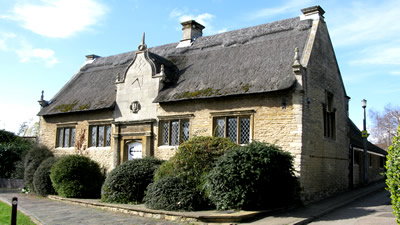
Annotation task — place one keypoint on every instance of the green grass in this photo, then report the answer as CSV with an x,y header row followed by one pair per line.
x,y
5,216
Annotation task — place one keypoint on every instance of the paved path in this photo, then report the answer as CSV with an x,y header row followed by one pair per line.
x,y
372,209
53,212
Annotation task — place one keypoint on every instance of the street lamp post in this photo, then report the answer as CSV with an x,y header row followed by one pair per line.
x,y
365,141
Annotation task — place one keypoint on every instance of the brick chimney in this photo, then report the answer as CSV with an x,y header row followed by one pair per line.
x,y
191,30
313,12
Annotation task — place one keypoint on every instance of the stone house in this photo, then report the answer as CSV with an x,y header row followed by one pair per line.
x,y
277,82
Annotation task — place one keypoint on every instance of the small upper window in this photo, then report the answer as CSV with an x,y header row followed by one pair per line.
x,y
329,117
100,136
236,128
65,137
174,132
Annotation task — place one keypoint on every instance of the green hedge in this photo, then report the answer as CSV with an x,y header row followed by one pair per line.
x,y
393,174
256,176
41,180
128,182
193,161
173,193
195,158
77,176
33,159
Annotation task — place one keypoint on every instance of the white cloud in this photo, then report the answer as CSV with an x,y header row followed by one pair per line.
x,y
380,55
3,40
289,7
28,53
205,19
395,73
362,23
58,18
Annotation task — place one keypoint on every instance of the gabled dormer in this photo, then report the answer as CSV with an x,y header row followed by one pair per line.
x,y
140,83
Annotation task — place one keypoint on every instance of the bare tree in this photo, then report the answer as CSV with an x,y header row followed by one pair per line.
x,y
385,125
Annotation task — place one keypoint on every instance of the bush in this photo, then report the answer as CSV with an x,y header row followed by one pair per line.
x,y
172,193
41,180
393,174
76,176
128,182
12,151
33,159
256,176
195,158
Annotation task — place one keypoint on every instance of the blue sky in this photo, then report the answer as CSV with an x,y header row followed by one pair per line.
x,y
44,42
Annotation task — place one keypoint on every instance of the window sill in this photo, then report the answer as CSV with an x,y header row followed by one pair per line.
x,y
99,148
168,147
65,148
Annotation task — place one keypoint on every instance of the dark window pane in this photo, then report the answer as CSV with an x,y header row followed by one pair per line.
x,y
66,137
244,130
60,137
185,130
232,129
94,136
220,127
72,137
164,133
174,132
108,135
101,136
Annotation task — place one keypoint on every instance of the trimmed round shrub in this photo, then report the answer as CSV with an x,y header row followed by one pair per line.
x,y
33,159
77,176
393,174
195,158
128,182
41,180
174,194
256,176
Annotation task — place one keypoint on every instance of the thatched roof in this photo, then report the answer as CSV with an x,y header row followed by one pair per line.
x,y
356,140
251,60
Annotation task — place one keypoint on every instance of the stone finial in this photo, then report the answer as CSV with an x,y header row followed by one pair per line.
x,y
43,102
142,45
296,64
117,78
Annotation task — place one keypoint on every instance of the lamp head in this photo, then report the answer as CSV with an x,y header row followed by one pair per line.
x,y
364,103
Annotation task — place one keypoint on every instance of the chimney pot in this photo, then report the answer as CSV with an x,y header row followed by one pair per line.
x,y
313,12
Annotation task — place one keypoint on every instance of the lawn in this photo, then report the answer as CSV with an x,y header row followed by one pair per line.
x,y
5,216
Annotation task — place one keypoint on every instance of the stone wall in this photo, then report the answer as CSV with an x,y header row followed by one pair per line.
x,y
81,121
325,160
270,120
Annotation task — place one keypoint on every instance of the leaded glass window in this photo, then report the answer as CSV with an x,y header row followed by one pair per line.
x,y
185,130
236,128
174,132
231,130
220,127
65,137
108,135
164,133
100,136
244,130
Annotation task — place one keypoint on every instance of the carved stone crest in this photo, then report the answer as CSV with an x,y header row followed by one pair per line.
x,y
135,107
